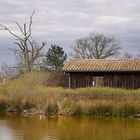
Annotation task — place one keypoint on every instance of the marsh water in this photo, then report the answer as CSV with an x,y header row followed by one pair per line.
x,y
15,127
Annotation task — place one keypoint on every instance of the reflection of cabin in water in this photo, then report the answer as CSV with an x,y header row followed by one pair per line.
x,y
112,73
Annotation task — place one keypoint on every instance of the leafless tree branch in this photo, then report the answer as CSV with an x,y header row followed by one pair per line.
x,y
27,49
96,46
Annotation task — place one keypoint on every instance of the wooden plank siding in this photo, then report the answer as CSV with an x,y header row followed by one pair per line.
x,y
120,80
81,80
122,73
129,81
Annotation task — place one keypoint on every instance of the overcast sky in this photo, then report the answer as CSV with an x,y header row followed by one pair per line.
x,y
64,21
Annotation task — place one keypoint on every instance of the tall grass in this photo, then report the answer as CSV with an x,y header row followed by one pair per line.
x,y
32,91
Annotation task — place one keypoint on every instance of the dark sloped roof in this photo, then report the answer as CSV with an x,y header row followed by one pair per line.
x,y
78,65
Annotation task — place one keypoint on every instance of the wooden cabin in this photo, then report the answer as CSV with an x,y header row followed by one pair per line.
x,y
110,73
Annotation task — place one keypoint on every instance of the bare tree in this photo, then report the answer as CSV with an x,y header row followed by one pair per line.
x,y
28,50
138,55
127,56
131,56
96,46
8,72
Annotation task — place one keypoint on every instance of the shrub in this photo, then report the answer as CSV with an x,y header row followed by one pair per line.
x,y
32,90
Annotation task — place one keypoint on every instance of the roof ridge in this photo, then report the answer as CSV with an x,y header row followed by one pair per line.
x,y
132,59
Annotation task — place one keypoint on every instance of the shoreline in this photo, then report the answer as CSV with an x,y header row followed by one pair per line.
x,y
28,94
34,112
26,113
99,102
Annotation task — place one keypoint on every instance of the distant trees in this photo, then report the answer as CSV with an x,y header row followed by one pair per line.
x,y
27,49
130,56
138,56
29,52
7,72
55,58
127,56
96,46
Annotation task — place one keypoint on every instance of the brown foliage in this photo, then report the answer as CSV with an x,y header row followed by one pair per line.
x,y
57,79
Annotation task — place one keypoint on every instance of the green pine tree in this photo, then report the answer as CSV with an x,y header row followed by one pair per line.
x,y
55,58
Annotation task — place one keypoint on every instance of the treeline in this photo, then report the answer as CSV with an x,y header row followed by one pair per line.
x,y
31,55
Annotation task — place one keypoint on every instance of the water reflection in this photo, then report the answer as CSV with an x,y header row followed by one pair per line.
x,y
14,127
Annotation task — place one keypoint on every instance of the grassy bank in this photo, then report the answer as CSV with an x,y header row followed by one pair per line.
x,y
31,94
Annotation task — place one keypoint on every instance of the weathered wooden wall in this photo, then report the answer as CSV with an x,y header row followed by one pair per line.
x,y
81,80
121,80
129,81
